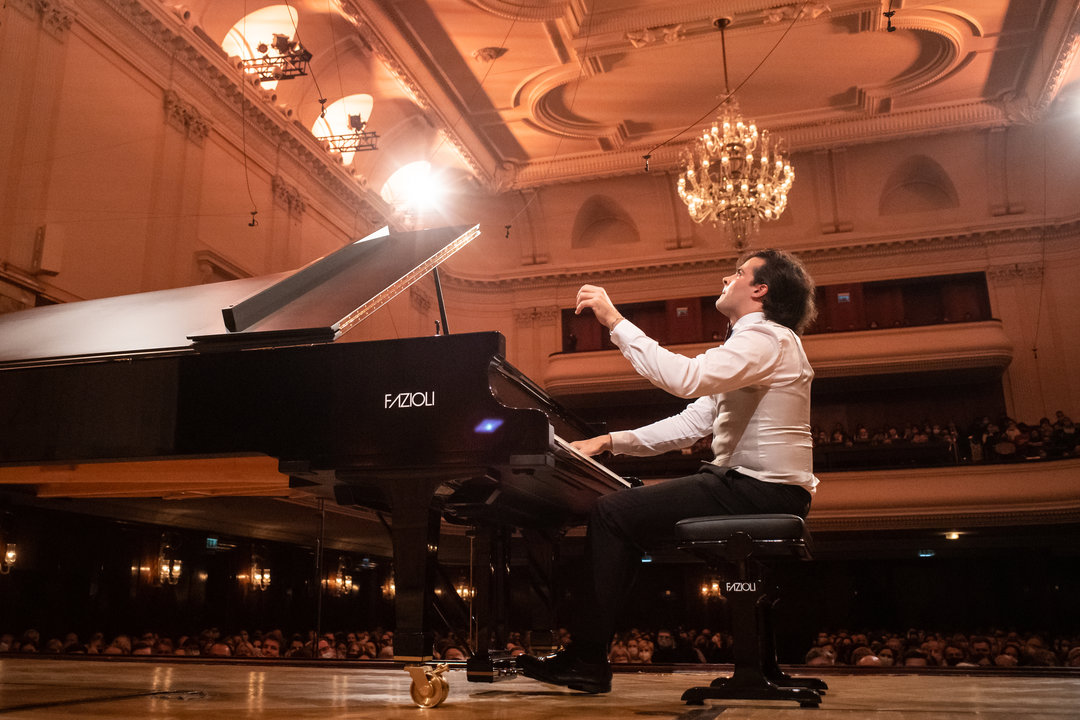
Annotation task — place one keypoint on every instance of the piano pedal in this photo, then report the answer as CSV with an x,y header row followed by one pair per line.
x,y
491,667
429,688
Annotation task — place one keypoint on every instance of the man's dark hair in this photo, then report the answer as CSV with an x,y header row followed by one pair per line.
x,y
790,299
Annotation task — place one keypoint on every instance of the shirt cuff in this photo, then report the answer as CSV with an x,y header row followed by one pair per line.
x,y
621,440
624,331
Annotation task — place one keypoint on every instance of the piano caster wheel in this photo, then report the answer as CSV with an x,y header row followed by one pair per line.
x,y
429,688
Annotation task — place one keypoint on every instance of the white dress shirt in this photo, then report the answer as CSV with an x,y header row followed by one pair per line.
x,y
753,395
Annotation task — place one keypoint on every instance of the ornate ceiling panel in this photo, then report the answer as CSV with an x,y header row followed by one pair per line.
x,y
525,93
552,89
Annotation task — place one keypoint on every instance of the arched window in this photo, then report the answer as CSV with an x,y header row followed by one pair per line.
x,y
413,188
253,36
919,184
602,221
338,120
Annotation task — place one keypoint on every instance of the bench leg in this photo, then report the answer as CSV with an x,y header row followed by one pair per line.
x,y
757,674
770,665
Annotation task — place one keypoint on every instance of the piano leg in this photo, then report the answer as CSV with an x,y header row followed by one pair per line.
x,y
542,553
492,662
416,546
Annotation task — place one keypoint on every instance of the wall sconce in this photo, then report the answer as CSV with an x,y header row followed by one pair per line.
x,y
464,590
388,588
711,589
341,583
11,554
169,565
7,542
260,575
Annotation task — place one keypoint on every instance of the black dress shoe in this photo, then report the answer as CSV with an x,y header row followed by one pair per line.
x,y
566,668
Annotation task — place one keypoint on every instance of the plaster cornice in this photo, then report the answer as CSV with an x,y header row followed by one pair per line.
x,y
1062,63
536,12
824,132
194,60
367,28
607,32
882,247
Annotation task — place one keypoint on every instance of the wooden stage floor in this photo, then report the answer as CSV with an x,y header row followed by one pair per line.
x,y
61,688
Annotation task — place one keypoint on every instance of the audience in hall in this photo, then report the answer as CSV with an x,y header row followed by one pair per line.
x,y
984,441
915,648
918,648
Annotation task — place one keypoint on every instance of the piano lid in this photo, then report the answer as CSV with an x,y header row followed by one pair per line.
x,y
317,303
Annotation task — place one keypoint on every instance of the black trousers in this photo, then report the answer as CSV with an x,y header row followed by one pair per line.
x,y
627,523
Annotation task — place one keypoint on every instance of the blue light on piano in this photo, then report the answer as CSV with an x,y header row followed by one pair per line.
x,y
646,558
488,425
927,553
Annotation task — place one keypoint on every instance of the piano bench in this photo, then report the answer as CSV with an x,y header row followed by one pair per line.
x,y
734,545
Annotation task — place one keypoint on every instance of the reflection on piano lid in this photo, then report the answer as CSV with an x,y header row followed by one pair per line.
x,y
315,304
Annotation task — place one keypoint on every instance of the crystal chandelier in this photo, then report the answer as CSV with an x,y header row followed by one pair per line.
x,y
736,174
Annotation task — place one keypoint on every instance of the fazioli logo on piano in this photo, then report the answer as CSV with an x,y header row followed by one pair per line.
x,y
741,587
409,400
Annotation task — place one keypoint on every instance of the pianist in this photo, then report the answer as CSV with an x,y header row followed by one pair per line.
x,y
752,393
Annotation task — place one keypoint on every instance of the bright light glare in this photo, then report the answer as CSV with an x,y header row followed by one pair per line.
x,y
414,187
260,27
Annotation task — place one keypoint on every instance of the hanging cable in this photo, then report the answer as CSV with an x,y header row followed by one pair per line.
x,y
479,88
728,95
296,35
333,44
570,106
243,131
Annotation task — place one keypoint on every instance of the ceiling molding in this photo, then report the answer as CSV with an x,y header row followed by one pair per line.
x,y
1063,62
1016,234
186,54
534,96
820,133
949,40
533,11
369,28
696,16
500,126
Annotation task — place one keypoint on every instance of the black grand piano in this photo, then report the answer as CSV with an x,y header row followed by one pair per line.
x,y
425,427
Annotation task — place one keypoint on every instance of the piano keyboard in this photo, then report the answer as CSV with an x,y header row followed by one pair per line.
x,y
576,456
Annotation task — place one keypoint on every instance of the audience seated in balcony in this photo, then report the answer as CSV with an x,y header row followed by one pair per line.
x,y
985,441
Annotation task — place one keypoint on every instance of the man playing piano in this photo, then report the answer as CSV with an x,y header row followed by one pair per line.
x,y
752,393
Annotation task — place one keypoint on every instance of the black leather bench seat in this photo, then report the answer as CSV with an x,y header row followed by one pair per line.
x,y
734,545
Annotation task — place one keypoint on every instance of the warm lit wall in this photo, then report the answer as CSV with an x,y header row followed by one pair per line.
x,y
1006,210
966,496
132,156
126,166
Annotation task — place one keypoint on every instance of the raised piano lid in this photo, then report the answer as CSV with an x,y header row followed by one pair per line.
x,y
317,303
